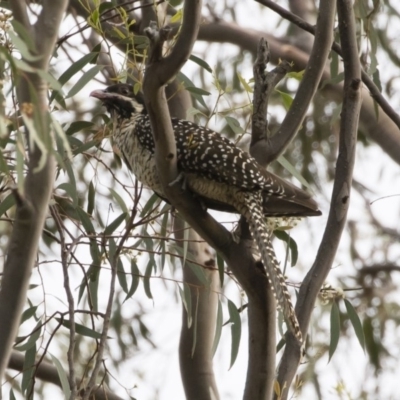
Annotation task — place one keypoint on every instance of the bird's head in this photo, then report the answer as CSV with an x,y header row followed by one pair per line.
x,y
120,100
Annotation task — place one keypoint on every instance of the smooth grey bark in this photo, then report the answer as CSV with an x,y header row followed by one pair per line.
x,y
314,70
195,346
341,191
32,204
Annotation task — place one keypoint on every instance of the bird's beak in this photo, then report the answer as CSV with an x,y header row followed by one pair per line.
x,y
99,94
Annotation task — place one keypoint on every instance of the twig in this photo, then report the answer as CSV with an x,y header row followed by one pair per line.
x,y
374,91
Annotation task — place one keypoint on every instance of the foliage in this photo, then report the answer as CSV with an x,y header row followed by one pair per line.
x,y
111,242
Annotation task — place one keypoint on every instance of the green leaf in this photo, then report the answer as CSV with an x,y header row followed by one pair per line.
x,y
163,233
63,377
135,279
94,288
22,47
377,79
32,338
24,34
115,224
218,328
286,99
355,321
47,77
335,329
196,313
200,62
80,329
149,205
76,67
85,146
236,330
122,276
12,395
221,269
85,219
7,203
196,90
298,75
188,83
70,190
28,313
146,279
289,167
78,126
234,125
186,298
282,235
28,371
119,200
245,85
177,16
84,80
91,195
199,272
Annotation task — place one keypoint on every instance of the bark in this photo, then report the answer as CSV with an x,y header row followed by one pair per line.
x,y
195,347
32,204
341,192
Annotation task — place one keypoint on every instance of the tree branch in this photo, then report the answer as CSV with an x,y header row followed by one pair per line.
x,y
32,209
308,85
374,90
341,191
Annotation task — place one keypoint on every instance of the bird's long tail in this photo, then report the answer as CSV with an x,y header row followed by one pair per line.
x,y
260,233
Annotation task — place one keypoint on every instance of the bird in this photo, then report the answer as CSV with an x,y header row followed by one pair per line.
x,y
216,171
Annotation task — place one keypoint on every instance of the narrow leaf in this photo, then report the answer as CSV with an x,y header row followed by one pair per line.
x,y
83,80
245,85
234,125
201,62
91,195
119,200
186,298
32,338
122,276
146,279
28,370
294,252
115,224
6,204
76,67
149,205
80,329
196,90
335,329
236,330
218,328
355,321
221,269
135,279
286,98
289,167
63,377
